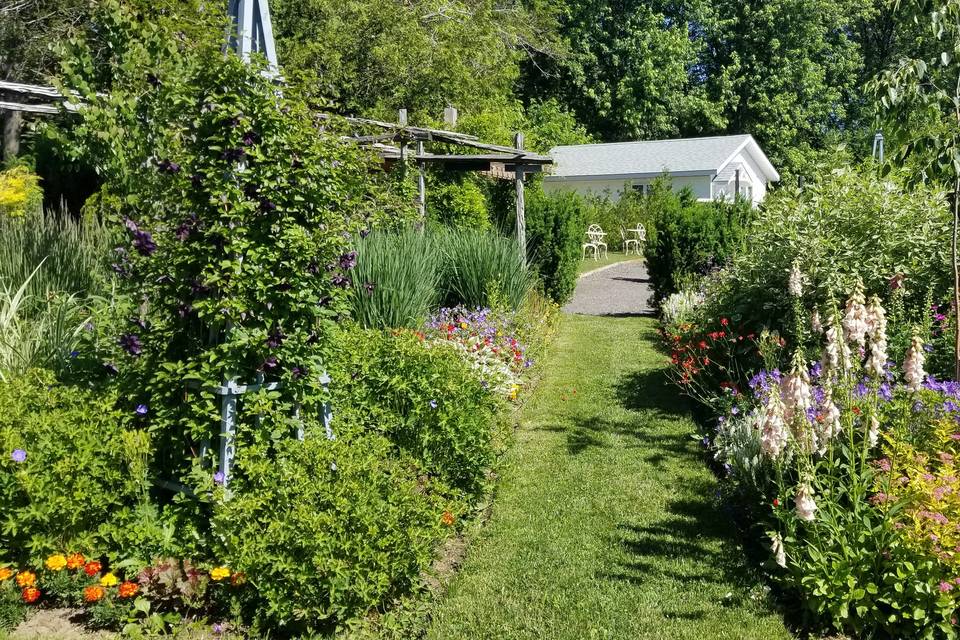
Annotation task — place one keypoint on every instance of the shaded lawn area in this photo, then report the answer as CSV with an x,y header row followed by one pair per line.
x,y
589,264
605,523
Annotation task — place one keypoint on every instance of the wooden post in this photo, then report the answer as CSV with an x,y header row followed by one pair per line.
x,y
12,122
736,186
521,213
421,185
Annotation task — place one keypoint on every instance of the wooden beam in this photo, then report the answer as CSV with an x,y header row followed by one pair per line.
x,y
521,210
45,109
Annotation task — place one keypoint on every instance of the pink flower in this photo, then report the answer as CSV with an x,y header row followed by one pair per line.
x,y
945,587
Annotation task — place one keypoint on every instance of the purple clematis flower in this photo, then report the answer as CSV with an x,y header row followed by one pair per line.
x,y
142,409
131,344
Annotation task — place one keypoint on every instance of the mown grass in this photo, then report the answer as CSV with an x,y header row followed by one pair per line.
x,y
589,264
605,522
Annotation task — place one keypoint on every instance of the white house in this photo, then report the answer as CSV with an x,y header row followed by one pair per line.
x,y
712,167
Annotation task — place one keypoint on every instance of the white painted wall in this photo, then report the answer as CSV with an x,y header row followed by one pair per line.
x,y
700,185
751,182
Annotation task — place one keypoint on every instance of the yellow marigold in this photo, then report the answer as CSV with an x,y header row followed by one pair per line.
x,y
108,580
5,573
26,579
220,573
56,562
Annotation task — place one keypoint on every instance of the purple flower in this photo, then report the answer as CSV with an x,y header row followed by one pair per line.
x,y
131,344
433,404
860,390
348,260
74,353
250,138
142,409
275,338
816,370
270,363
143,243
110,368
169,166
341,281
928,348
734,410
885,391
218,477
18,455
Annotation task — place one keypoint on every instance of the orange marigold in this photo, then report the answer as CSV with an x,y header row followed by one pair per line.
x,y
30,594
92,568
127,589
447,519
75,561
5,573
26,579
93,593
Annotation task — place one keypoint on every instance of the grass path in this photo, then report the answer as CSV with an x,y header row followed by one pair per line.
x,y
604,524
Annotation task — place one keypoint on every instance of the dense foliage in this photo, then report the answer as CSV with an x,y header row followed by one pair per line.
x,y
555,228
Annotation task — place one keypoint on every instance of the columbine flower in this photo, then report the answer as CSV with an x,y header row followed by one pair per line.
x,y
855,325
779,554
56,562
795,281
18,455
805,506
131,344
913,373
877,322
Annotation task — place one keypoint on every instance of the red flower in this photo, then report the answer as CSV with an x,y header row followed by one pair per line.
x,y
703,344
93,593
857,410
724,322
30,594
776,502
447,519
75,560
92,568
127,589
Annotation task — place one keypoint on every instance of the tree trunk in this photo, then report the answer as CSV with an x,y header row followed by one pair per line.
x,y
12,122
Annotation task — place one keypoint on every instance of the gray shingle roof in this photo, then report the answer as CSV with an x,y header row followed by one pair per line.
x,y
690,155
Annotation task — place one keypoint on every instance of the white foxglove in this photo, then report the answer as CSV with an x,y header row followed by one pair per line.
x,y
795,281
806,508
779,553
795,391
773,430
877,322
913,373
815,324
873,436
855,323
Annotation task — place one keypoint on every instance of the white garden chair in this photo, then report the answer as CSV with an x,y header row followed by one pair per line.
x,y
595,237
629,243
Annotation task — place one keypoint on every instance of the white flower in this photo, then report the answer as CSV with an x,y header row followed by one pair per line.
x,y
773,430
913,373
855,325
830,416
877,322
815,324
805,506
836,355
779,553
873,436
795,281
796,391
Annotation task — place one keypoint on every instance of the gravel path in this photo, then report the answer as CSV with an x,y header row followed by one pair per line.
x,y
623,289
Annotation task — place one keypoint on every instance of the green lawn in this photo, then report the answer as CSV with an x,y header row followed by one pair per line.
x,y
590,264
604,523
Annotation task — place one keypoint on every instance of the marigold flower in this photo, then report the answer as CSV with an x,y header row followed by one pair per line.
x,y
447,519
108,580
56,562
30,595
93,593
92,568
5,573
75,561
26,579
220,573
238,578
128,589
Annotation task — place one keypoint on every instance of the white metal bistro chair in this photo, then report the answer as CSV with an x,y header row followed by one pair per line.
x,y
595,237
629,243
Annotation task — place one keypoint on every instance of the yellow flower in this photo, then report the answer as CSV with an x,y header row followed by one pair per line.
x,y
220,573
5,573
108,580
56,562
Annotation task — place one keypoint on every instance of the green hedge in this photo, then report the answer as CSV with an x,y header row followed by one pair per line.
x,y
556,224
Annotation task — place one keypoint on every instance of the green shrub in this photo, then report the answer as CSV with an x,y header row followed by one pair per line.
x,y
555,232
20,192
65,467
477,264
424,399
845,225
691,239
325,530
397,279
458,202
